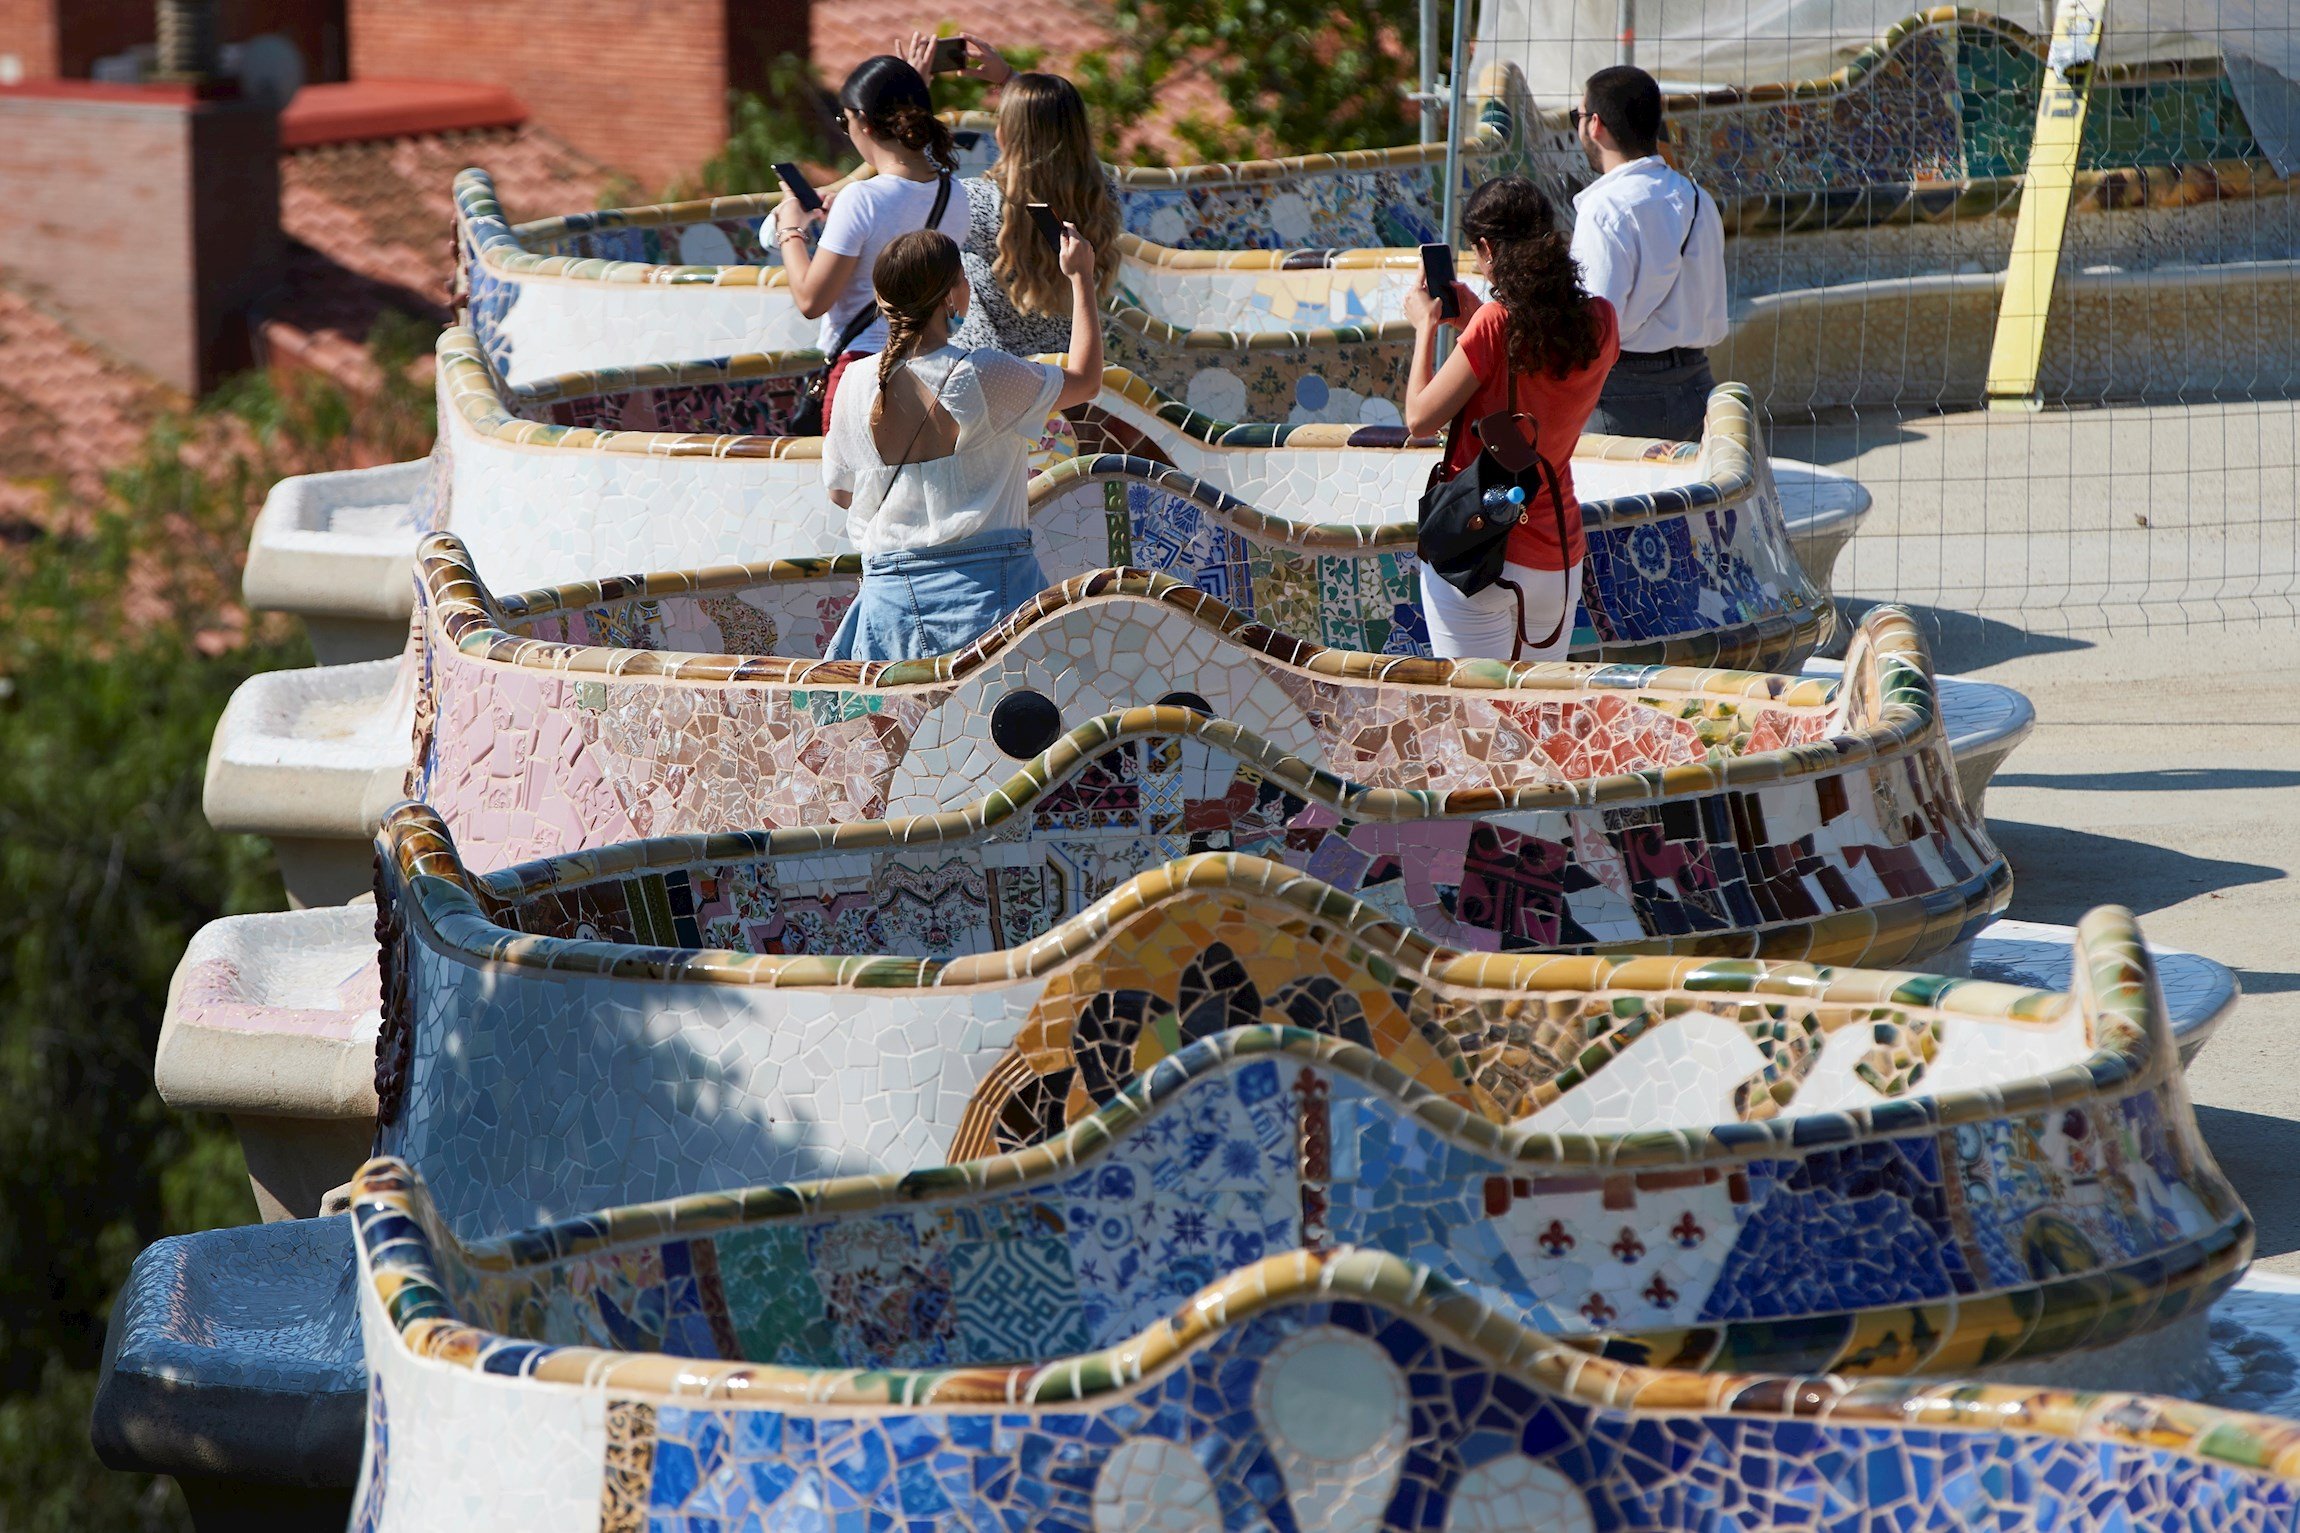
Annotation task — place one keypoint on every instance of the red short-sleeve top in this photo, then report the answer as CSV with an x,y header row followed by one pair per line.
x,y
1561,407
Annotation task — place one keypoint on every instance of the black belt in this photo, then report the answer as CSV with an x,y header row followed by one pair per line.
x,y
1675,356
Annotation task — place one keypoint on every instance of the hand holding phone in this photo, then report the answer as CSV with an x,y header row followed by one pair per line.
x,y
949,56
1438,279
1049,227
794,178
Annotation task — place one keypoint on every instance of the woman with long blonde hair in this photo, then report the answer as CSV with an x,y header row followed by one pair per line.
x,y
929,452
1045,154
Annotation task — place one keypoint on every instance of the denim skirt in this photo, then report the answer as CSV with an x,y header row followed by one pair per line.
x,y
930,601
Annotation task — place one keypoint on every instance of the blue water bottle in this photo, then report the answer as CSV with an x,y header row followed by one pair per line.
x,y
1503,507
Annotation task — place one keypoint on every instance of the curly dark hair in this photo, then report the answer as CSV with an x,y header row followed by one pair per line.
x,y
1534,275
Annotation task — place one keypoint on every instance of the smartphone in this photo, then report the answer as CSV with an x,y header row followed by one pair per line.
x,y
1048,224
1438,278
949,56
796,180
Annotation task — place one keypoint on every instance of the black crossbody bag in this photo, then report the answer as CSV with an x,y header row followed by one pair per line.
x,y
1458,537
807,417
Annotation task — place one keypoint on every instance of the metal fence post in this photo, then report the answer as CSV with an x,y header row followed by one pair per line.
x,y
1427,95
1457,87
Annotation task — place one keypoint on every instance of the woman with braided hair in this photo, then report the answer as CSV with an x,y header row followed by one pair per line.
x,y
930,454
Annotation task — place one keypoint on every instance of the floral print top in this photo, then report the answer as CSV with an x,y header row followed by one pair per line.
x,y
993,319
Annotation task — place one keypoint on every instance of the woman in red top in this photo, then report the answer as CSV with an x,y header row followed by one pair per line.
x,y
1563,342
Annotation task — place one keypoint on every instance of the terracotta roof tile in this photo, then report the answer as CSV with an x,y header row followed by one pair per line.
x,y
383,209
845,32
69,411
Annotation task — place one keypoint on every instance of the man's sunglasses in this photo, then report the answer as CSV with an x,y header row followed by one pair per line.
x,y
1575,115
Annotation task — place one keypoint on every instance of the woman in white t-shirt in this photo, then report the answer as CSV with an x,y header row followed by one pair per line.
x,y
885,110
931,457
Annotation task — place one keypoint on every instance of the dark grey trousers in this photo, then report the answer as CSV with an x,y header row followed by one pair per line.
x,y
1655,397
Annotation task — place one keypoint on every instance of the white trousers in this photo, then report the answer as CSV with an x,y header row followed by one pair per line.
x,y
1503,621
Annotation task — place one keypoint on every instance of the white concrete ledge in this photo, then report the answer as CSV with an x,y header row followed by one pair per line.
x,y
336,550
311,759
1822,509
272,1019
1985,722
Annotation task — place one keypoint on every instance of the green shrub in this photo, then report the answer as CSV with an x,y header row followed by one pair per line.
x,y
1297,76
789,120
121,642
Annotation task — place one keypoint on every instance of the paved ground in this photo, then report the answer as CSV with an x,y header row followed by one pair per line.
x,y
2164,773
2077,521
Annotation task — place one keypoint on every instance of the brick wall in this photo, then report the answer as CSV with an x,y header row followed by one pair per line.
x,y
637,84
87,30
149,219
28,35
318,28
54,39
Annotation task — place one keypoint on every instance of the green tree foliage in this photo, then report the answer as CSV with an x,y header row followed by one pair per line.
x,y
789,120
120,642
1297,76
965,93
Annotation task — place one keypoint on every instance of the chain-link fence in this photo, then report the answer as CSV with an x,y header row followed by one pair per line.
x,y
1888,202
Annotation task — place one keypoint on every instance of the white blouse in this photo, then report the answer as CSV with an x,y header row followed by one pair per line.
x,y
1000,404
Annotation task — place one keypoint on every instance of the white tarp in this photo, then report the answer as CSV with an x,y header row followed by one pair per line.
x,y
1710,43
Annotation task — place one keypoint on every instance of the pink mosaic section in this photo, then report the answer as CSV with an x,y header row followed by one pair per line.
x,y
511,765
213,994
527,763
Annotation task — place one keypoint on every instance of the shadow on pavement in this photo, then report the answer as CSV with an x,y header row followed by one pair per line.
x,y
2059,874
2267,981
2258,1153
1961,642
1837,436
2163,780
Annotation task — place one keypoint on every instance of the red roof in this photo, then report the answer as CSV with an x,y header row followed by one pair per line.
x,y
360,110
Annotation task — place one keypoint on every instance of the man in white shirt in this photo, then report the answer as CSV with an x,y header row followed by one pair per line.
x,y
1653,244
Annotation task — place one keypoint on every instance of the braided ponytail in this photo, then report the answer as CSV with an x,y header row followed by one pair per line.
x,y
913,278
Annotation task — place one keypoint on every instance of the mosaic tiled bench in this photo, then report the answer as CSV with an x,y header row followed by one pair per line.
x,y
1341,1390
291,757
1651,1106
624,286
540,317
1691,561
563,480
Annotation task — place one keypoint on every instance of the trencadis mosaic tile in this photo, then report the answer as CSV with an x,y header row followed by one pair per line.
x,y
530,745
1000,1311
1691,550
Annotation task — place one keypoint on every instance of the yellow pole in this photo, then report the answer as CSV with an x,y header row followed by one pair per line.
x,y
2019,347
